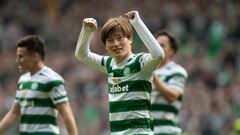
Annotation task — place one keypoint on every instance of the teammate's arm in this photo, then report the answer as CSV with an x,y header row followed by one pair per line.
x,y
68,118
82,51
168,93
11,118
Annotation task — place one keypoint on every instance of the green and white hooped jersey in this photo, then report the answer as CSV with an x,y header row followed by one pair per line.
x,y
166,115
129,90
37,96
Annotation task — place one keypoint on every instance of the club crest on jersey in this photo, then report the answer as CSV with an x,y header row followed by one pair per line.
x,y
126,71
34,86
21,86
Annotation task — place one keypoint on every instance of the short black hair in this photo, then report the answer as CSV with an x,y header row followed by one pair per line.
x,y
173,41
33,43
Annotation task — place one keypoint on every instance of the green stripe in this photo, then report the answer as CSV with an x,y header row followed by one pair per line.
x,y
37,133
133,86
36,86
164,122
166,134
129,105
132,68
164,108
108,64
46,102
58,98
122,125
174,75
180,98
38,119
102,61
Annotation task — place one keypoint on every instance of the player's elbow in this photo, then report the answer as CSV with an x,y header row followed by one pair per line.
x,y
80,55
77,54
171,99
160,56
174,96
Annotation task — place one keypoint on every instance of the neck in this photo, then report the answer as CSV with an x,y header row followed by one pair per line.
x,y
121,59
36,67
164,62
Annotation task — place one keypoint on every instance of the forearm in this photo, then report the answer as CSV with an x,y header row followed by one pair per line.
x,y
168,93
148,39
70,125
11,118
68,118
83,53
82,48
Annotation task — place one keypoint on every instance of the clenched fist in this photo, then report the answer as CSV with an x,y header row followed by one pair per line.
x,y
90,22
131,14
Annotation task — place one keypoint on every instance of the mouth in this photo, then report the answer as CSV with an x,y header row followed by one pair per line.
x,y
20,68
117,50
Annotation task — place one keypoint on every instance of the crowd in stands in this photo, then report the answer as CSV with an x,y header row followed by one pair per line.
x,y
208,30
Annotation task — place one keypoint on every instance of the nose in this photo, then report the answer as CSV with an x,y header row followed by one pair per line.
x,y
17,60
115,42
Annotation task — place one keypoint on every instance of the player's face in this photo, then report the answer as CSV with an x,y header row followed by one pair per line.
x,y
118,45
24,59
166,46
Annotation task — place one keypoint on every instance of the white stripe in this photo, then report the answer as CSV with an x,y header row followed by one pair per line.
x,y
161,100
163,115
129,115
38,128
133,77
39,111
128,96
134,131
178,88
167,129
31,94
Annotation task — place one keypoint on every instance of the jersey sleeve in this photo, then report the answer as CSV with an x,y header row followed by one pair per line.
x,y
156,55
147,63
84,54
177,81
58,92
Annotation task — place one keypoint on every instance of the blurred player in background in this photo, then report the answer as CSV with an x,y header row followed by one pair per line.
x,y
169,82
40,94
129,75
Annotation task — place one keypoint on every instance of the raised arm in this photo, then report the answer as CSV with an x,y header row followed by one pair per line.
x,y
157,53
82,51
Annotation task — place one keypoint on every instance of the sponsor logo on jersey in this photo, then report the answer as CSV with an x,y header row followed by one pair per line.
x,y
118,89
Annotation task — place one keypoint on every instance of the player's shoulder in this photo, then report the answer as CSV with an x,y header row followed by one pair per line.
x,y
24,77
177,69
50,75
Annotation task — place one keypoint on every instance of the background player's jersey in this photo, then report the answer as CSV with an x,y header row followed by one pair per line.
x,y
166,115
38,95
129,89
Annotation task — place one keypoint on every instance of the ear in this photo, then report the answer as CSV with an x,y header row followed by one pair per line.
x,y
171,53
131,40
36,56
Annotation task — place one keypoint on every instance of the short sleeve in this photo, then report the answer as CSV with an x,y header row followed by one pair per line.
x,y
177,81
58,94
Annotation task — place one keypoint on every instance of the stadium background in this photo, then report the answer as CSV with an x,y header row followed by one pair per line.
x,y
209,31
